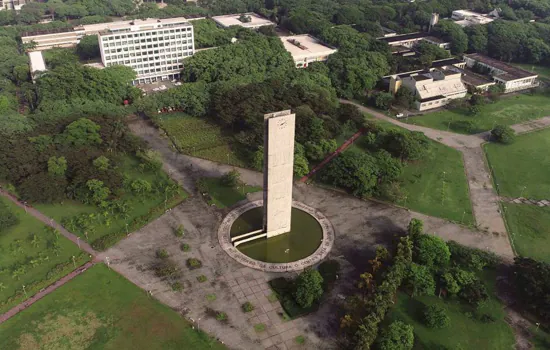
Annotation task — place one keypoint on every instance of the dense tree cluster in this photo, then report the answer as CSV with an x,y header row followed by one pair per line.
x,y
532,281
7,217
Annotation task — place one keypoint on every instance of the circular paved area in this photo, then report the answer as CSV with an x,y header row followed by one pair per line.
x,y
224,236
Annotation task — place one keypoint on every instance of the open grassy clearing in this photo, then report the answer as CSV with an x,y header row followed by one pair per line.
x,y
199,138
529,229
521,169
507,111
436,185
224,196
117,315
29,255
464,331
140,209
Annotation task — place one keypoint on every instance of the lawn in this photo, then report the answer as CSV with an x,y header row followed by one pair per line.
x,y
199,138
529,229
436,185
521,169
508,110
542,71
101,310
33,262
465,331
105,230
224,196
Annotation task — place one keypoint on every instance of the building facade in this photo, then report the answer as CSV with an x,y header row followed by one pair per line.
x,y
155,49
512,78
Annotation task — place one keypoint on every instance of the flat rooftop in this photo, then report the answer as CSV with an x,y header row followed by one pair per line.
x,y
37,61
472,78
233,20
301,46
512,73
135,24
403,37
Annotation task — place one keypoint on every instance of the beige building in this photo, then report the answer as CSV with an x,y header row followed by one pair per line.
x,y
249,20
435,88
512,78
306,49
466,18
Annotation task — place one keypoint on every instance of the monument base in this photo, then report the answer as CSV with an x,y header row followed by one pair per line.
x,y
277,232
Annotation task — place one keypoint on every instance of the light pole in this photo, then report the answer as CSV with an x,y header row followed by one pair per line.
x,y
198,319
462,220
24,291
522,190
74,262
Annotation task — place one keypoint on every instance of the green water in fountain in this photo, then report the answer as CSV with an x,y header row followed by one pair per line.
x,y
302,241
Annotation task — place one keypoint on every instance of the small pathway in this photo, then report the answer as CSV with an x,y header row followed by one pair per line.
x,y
17,309
521,200
51,222
339,150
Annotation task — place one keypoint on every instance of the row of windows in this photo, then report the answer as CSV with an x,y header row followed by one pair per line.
x,y
146,40
146,58
145,69
147,34
173,48
162,69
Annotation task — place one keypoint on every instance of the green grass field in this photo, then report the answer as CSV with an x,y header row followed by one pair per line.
x,y
521,169
542,71
101,310
141,211
529,229
223,196
33,260
508,110
431,191
199,138
464,332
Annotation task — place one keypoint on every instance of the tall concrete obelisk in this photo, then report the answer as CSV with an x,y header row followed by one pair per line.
x,y
278,171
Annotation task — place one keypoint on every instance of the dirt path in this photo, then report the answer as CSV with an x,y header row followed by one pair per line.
x,y
17,309
51,222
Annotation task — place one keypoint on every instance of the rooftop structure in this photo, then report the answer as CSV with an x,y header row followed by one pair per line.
x,y
394,81
467,18
36,63
306,49
248,20
513,78
435,87
412,39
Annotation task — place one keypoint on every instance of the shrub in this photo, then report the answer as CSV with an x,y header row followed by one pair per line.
x,y
230,179
179,231
248,307
260,327
398,336
532,281
202,185
431,251
471,258
7,217
202,278
211,297
185,247
300,339
309,288
486,318
221,316
503,134
435,316
474,293
166,268
193,263
420,280
329,270
177,287
162,254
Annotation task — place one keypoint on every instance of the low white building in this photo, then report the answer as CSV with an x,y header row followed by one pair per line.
x,y
513,78
306,49
36,63
466,18
435,88
412,39
249,20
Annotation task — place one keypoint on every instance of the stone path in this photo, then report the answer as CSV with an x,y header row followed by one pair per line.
x,y
521,200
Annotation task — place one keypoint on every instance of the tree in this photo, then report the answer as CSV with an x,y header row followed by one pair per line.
x,y
454,33
503,134
449,283
420,280
7,217
101,162
477,100
301,166
88,47
354,171
383,100
398,336
474,293
415,228
532,283
82,132
431,251
258,159
435,316
309,288
474,109
404,97
42,188
97,191
318,150
141,186
57,166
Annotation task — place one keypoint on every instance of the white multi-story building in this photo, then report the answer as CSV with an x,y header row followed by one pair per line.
x,y
154,48
11,4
